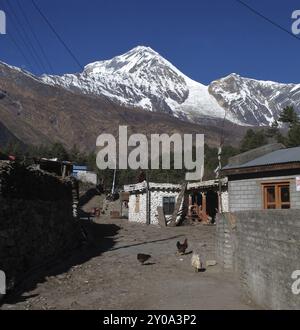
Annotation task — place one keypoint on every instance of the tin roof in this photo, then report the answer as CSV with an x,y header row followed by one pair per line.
x,y
282,156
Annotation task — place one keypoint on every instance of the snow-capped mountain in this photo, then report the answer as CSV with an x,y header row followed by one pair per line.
x,y
142,78
252,101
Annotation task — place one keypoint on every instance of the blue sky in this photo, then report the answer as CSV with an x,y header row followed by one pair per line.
x,y
206,39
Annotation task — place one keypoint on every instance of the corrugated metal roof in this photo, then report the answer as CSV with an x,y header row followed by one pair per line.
x,y
282,156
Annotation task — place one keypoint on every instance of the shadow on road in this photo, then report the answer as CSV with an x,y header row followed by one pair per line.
x,y
148,242
100,239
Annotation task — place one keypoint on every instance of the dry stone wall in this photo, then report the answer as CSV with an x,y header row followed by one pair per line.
x,y
36,219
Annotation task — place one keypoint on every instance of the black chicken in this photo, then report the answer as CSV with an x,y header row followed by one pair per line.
x,y
182,247
142,258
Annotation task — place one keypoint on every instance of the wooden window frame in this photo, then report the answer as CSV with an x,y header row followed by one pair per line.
x,y
278,202
169,198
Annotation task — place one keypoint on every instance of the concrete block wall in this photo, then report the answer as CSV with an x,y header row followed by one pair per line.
x,y
225,241
265,251
247,194
244,195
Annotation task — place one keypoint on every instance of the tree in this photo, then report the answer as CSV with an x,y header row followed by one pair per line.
x,y
74,154
293,138
59,151
13,148
289,116
273,131
253,140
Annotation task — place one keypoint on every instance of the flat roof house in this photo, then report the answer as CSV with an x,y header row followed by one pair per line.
x,y
146,201
264,178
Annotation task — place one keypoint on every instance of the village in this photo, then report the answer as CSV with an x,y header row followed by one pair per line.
x,y
198,245
149,161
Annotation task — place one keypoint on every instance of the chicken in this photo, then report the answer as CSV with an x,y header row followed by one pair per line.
x,y
182,247
197,263
142,258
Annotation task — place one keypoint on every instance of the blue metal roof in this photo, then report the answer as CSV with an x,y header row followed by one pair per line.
x,y
282,156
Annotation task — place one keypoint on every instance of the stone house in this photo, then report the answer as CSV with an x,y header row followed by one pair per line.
x,y
264,178
157,195
198,200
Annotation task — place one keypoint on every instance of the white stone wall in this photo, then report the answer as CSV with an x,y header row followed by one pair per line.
x,y
156,198
140,216
245,195
225,201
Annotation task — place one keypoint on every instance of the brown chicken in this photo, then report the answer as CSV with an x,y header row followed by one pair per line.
x,y
182,247
142,258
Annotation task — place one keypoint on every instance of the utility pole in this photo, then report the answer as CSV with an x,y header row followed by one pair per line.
x,y
114,182
148,201
219,177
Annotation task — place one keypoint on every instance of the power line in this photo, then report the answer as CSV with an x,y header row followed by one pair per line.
x,y
25,39
28,45
57,34
75,58
35,37
266,18
18,47
20,50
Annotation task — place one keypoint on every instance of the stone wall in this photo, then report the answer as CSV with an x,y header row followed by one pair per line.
x,y
247,194
36,219
156,198
225,201
263,247
137,214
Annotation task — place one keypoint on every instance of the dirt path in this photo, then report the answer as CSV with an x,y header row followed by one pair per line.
x,y
108,276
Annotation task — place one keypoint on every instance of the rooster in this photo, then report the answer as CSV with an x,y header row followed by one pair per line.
x,y
142,258
182,247
197,263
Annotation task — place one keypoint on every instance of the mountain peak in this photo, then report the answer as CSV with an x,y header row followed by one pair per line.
x,y
142,78
142,49
134,59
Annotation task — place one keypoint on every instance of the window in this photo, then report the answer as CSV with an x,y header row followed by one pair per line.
x,y
168,205
277,195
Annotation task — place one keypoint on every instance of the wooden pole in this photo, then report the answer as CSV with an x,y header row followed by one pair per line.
x,y
220,182
148,201
114,182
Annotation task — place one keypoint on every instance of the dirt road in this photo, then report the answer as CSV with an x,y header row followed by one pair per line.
x,y
108,276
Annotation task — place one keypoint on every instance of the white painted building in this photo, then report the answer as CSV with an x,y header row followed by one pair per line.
x,y
160,194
